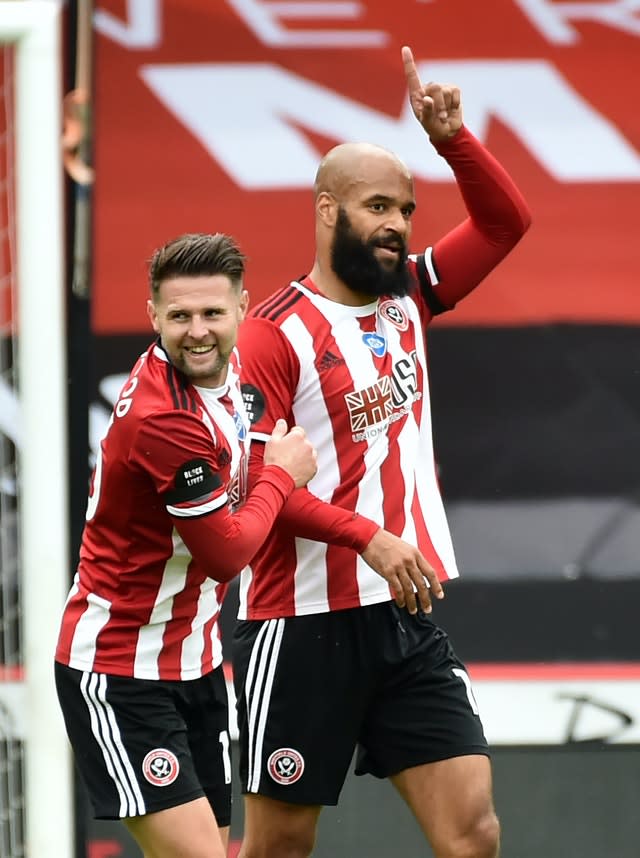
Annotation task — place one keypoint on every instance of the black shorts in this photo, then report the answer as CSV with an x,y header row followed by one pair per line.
x,y
145,745
312,689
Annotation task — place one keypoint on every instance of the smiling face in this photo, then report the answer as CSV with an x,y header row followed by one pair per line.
x,y
197,320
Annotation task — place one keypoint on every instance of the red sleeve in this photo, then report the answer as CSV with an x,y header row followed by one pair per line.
x,y
308,517
498,218
165,445
177,452
267,386
222,543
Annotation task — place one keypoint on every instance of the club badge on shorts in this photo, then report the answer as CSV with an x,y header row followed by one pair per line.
x,y
285,766
160,767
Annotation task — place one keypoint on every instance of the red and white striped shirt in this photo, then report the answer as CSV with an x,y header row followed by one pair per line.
x,y
362,372
172,467
356,379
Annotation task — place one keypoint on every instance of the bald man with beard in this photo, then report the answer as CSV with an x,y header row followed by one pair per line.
x,y
335,651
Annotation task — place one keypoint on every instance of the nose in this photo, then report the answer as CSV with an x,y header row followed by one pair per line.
x,y
396,222
198,327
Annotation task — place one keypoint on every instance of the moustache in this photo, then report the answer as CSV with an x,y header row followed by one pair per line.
x,y
390,244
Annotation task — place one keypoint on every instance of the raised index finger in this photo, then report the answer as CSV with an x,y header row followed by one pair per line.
x,y
410,70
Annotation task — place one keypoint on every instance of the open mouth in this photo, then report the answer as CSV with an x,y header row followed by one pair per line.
x,y
388,254
199,352
196,351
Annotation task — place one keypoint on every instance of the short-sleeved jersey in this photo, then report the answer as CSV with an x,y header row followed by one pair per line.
x,y
356,379
140,605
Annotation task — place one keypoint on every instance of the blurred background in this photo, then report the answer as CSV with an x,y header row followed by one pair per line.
x,y
196,115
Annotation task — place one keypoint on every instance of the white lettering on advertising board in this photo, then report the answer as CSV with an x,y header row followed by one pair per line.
x,y
573,142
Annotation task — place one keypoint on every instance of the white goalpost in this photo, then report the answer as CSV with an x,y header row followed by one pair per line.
x,y
38,367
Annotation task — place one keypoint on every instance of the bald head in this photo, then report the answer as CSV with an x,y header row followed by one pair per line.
x,y
352,165
364,201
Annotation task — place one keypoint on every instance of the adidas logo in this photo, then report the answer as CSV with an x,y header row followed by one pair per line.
x,y
329,360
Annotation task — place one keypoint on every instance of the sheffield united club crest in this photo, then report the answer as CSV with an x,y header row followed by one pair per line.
x,y
285,766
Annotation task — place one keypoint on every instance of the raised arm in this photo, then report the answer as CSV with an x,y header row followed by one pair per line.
x,y
498,215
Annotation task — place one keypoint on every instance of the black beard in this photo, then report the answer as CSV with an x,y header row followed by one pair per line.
x,y
355,263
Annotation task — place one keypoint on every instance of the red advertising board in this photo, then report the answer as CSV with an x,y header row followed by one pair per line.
x,y
211,115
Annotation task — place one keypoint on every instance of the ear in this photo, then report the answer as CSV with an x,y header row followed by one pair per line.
x,y
243,305
327,208
152,313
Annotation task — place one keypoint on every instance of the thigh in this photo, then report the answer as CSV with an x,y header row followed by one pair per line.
x,y
130,743
300,705
451,800
424,710
186,831
274,827
204,705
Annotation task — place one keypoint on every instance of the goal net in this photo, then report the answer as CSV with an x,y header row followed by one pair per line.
x,y
35,771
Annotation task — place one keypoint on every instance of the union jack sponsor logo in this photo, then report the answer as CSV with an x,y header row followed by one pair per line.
x,y
370,406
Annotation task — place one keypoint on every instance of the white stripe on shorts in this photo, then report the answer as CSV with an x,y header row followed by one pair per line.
x,y
107,734
262,664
